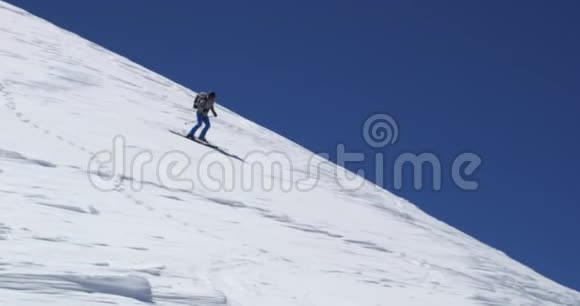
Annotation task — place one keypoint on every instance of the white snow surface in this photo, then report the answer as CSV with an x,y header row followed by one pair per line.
x,y
63,241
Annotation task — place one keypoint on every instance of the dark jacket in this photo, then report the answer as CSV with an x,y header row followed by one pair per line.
x,y
205,106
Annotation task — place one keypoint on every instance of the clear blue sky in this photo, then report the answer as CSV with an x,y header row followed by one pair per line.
x,y
499,78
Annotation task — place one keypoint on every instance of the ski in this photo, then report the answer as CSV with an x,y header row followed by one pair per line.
x,y
205,143
209,145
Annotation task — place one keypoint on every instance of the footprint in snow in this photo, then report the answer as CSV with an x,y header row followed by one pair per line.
x,y
138,248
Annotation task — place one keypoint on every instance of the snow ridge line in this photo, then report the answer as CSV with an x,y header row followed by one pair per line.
x,y
11,106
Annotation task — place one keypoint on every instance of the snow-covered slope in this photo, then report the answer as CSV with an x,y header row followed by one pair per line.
x,y
71,235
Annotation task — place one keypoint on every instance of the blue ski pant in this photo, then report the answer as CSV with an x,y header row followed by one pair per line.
x,y
201,119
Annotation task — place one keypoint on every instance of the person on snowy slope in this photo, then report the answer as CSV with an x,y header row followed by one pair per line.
x,y
204,103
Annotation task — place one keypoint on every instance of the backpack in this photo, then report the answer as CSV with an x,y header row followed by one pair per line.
x,y
199,99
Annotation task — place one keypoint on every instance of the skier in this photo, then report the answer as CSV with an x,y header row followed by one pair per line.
x,y
203,103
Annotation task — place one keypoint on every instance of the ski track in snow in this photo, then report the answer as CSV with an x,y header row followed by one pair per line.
x,y
63,241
